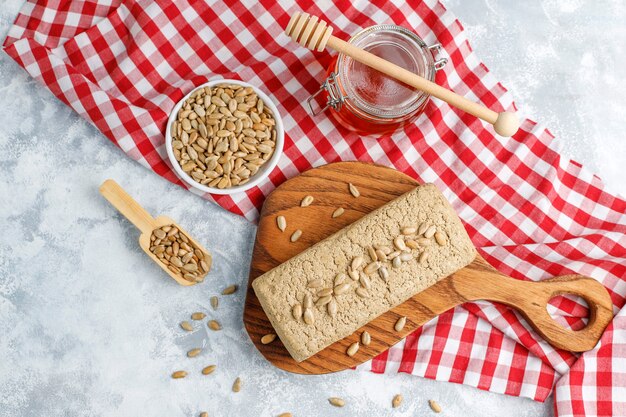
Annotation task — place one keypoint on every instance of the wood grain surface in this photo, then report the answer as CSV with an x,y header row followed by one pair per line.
x,y
379,185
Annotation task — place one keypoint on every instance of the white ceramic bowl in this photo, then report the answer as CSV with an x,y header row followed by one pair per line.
x,y
263,171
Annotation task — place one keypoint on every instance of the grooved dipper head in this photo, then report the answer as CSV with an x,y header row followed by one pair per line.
x,y
309,31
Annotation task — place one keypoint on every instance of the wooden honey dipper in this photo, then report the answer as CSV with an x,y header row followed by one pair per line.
x,y
316,34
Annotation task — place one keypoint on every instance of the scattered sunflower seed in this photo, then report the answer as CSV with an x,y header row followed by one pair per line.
x,y
204,414
231,289
336,401
268,338
208,369
434,406
306,201
353,190
296,235
214,325
194,352
353,349
397,400
338,212
285,415
400,324
186,326
198,316
281,222
366,339
215,302
179,374
237,385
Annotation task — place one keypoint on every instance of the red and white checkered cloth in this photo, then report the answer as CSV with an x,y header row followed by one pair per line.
x,y
533,214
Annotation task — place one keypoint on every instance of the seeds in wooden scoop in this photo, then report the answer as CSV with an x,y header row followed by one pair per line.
x,y
214,302
186,326
397,400
336,401
237,385
214,325
281,222
400,324
366,339
434,406
268,338
353,190
179,253
179,374
223,135
353,349
231,289
208,369
296,235
338,212
198,316
194,352
306,201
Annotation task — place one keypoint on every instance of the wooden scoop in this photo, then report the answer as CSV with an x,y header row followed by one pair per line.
x,y
138,216
315,34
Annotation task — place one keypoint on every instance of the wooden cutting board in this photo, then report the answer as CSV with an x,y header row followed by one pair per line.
x,y
379,185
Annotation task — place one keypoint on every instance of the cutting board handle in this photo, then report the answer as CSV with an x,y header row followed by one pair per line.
x,y
531,300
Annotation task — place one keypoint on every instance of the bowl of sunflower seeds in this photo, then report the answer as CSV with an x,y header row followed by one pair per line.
x,y
224,137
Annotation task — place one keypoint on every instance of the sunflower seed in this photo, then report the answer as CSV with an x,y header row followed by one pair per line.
x,y
324,292
342,288
441,239
231,289
336,401
214,325
372,267
268,338
422,241
423,257
353,190
186,326
398,242
430,232
208,369
198,316
361,292
372,253
322,301
381,255
306,201
422,229
296,311
340,279
338,212
384,273
331,307
237,385
408,230
396,262
405,257
285,415
354,275
353,349
204,414
308,316
179,374
308,301
194,352
281,222
397,400
366,339
356,262
365,281
316,283
296,235
434,406
400,324
411,244
214,302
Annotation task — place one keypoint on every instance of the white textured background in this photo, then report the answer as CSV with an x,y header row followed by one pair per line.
x,y
88,326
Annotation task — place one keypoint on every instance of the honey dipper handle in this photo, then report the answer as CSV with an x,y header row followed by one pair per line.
x,y
126,205
505,124
531,300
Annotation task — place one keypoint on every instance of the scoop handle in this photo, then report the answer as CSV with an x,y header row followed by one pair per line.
x,y
126,205
481,281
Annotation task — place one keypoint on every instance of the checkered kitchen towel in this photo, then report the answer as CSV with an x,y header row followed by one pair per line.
x,y
124,64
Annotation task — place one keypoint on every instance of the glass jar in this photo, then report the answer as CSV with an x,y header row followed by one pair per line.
x,y
367,101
